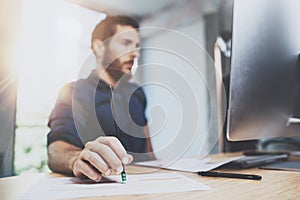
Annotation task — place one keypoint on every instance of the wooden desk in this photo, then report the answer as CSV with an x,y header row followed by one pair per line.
x,y
274,185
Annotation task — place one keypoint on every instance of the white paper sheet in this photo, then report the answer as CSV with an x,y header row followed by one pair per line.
x,y
193,164
62,188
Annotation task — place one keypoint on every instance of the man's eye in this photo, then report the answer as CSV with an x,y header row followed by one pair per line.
x,y
126,43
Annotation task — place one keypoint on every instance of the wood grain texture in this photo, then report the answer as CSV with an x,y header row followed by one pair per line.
x,y
274,185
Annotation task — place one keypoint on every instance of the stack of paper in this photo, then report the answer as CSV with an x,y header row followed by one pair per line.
x,y
63,188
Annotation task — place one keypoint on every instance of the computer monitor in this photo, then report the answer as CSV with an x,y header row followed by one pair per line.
x,y
265,74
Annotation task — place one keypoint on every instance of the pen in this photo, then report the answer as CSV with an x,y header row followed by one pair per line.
x,y
231,175
123,173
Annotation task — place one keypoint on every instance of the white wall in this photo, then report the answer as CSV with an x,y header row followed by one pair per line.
x,y
54,45
174,74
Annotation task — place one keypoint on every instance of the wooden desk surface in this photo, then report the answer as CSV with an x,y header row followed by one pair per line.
x,y
274,185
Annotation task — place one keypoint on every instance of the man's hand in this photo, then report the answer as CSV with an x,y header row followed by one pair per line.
x,y
100,157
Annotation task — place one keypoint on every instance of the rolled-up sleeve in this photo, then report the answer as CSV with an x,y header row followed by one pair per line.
x,y
61,120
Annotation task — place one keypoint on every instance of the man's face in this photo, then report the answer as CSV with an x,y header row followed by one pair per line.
x,y
121,51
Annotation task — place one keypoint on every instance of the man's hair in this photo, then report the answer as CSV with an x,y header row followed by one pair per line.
x,y
107,27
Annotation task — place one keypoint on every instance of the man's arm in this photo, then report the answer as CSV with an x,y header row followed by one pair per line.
x,y
61,156
99,157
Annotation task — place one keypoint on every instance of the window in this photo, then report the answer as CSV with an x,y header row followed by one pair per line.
x,y
55,40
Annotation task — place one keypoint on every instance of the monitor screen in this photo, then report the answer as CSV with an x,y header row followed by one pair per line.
x,y
265,74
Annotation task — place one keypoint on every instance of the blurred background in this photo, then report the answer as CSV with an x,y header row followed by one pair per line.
x,y
43,45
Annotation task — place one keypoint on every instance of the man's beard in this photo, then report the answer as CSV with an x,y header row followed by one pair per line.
x,y
113,66
114,70
115,74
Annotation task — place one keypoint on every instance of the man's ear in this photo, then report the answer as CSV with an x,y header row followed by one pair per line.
x,y
98,49
96,43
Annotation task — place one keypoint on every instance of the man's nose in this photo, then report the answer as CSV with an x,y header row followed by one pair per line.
x,y
135,53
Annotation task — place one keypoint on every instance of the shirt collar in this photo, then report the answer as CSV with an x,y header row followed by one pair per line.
x,y
94,79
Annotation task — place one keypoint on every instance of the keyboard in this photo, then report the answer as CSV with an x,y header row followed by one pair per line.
x,y
255,161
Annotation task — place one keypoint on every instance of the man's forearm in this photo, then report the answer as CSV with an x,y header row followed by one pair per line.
x,y
61,156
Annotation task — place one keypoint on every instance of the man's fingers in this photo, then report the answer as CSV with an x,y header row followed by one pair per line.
x,y
82,168
96,161
117,147
107,154
128,159
101,155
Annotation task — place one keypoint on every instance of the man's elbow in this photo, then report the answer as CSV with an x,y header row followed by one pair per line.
x,y
52,153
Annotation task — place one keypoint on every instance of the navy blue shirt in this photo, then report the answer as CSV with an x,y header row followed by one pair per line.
x,y
83,112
